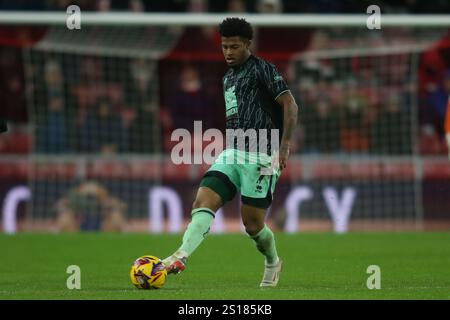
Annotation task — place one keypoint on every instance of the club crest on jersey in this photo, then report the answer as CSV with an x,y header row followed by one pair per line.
x,y
231,101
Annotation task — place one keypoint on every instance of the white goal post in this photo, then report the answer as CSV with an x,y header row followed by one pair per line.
x,y
206,19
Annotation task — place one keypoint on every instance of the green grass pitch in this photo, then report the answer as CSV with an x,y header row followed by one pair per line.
x,y
317,266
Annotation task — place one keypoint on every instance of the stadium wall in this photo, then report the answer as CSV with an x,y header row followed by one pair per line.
x,y
303,200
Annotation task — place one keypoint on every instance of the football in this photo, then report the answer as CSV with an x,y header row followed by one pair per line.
x,y
148,272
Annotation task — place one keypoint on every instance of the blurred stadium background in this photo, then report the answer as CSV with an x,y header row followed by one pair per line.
x,y
91,111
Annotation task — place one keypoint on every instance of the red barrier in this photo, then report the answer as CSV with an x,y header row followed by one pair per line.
x,y
159,169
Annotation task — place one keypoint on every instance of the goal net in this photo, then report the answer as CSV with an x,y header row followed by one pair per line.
x,y
104,101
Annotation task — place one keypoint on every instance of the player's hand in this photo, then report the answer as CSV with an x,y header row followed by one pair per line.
x,y
283,156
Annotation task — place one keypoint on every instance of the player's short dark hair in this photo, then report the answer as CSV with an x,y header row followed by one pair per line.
x,y
236,27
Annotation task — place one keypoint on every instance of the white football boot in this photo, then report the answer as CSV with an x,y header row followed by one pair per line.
x,y
175,263
271,274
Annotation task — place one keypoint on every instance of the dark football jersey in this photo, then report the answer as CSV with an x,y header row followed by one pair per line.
x,y
250,91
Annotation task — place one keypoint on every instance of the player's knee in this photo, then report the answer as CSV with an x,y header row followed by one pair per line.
x,y
252,228
203,200
204,203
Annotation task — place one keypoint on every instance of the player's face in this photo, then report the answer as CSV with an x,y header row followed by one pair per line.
x,y
235,50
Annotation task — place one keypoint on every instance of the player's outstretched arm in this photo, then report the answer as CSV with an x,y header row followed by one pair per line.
x,y
290,109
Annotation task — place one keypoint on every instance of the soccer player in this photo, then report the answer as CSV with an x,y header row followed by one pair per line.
x,y
256,98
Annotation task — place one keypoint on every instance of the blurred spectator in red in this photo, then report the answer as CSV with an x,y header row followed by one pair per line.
x,y
429,141
447,126
16,140
279,43
190,101
437,98
433,65
89,85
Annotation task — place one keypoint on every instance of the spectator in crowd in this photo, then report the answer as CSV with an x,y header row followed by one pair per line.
x,y
104,5
237,6
53,134
436,100
90,207
270,40
91,70
144,135
88,84
54,126
322,127
190,101
311,93
391,129
198,6
103,131
137,6
353,134
270,6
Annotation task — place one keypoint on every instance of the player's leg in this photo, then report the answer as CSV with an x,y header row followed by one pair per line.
x,y
257,188
216,188
253,219
205,205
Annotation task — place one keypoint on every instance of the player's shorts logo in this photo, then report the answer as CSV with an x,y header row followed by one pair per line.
x,y
258,183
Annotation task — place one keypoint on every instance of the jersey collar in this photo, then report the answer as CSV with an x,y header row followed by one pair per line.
x,y
237,68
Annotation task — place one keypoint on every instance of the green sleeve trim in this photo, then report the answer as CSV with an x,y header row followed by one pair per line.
x,y
284,91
